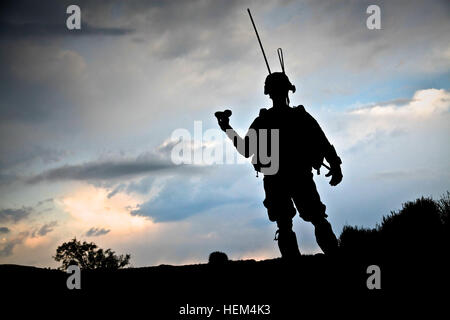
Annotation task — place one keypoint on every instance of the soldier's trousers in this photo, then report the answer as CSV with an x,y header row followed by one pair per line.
x,y
282,192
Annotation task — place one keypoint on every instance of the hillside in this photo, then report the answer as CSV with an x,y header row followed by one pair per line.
x,y
313,281
410,248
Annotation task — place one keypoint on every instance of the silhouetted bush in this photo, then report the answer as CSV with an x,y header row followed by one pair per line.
x,y
444,209
89,256
416,228
217,258
421,226
358,240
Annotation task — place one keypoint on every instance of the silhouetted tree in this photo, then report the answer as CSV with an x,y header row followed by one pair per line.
x,y
89,256
217,258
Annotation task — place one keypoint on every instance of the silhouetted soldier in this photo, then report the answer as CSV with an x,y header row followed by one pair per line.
x,y
302,146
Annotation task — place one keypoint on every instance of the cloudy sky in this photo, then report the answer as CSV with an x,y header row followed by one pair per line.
x,y
87,118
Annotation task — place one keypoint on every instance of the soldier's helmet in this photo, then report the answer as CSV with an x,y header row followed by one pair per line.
x,y
278,83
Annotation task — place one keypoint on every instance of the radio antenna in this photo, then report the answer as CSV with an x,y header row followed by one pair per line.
x,y
259,40
281,58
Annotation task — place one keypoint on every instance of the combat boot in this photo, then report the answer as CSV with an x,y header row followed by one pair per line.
x,y
287,243
325,237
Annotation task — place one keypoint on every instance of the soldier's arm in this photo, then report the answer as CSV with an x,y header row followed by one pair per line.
x,y
329,150
329,153
242,145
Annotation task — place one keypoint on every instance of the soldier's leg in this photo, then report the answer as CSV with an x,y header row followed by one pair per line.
x,y
307,201
325,237
287,240
281,209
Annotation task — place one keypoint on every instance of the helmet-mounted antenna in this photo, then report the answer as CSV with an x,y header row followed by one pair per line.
x,y
259,40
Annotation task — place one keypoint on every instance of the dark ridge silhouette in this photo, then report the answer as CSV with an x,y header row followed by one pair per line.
x,y
409,247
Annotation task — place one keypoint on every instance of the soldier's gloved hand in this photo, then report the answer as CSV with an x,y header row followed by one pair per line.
x,y
336,175
224,123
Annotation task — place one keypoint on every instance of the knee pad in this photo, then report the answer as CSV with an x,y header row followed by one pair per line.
x,y
279,210
313,213
284,225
